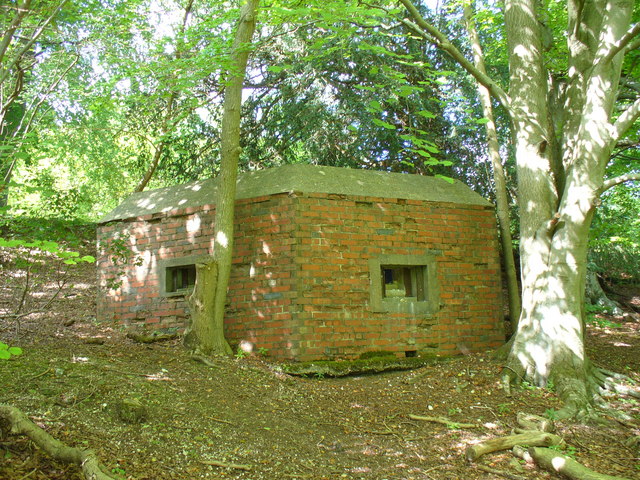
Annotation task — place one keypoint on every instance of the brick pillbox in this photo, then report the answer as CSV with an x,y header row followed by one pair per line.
x,y
327,263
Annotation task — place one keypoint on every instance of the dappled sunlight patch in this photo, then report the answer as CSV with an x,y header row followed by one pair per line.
x,y
222,239
360,470
162,375
491,426
558,463
193,224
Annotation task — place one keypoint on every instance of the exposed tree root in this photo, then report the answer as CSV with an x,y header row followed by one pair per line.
x,y
546,458
13,421
152,337
583,392
553,461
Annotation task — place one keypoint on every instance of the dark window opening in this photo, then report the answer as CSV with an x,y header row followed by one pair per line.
x,y
411,353
404,281
180,278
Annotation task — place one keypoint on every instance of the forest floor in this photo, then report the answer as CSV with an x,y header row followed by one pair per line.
x,y
246,412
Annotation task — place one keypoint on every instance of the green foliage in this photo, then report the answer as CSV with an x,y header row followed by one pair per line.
x,y
6,352
73,234
53,248
455,411
615,233
592,312
118,250
36,270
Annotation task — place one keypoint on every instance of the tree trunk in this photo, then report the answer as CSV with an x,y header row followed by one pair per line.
x,y
225,203
549,343
596,296
202,336
563,140
548,347
502,203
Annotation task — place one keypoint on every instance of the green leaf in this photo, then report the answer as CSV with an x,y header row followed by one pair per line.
x,y
423,153
3,346
88,258
375,106
384,124
426,114
4,355
15,351
446,179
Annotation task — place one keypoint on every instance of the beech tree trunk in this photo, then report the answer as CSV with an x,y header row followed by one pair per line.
x,y
558,194
563,133
216,343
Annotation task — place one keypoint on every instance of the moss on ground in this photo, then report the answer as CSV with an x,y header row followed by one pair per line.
x,y
382,362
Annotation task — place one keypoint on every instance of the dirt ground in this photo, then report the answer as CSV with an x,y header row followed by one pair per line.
x,y
269,425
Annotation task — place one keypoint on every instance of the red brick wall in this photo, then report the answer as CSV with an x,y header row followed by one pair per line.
x,y
260,289
300,283
337,236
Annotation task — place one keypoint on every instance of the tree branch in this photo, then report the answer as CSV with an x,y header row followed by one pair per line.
x,y
612,182
435,36
31,41
624,122
23,9
621,44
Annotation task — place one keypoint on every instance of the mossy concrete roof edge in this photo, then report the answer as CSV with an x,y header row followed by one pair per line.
x,y
300,178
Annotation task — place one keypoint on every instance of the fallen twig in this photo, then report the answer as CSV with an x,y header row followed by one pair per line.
x,y
216,463
151,338
443,421
220,420
41,374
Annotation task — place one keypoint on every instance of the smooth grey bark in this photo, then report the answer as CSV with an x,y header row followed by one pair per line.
x,y
563,142
216,344
500,183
